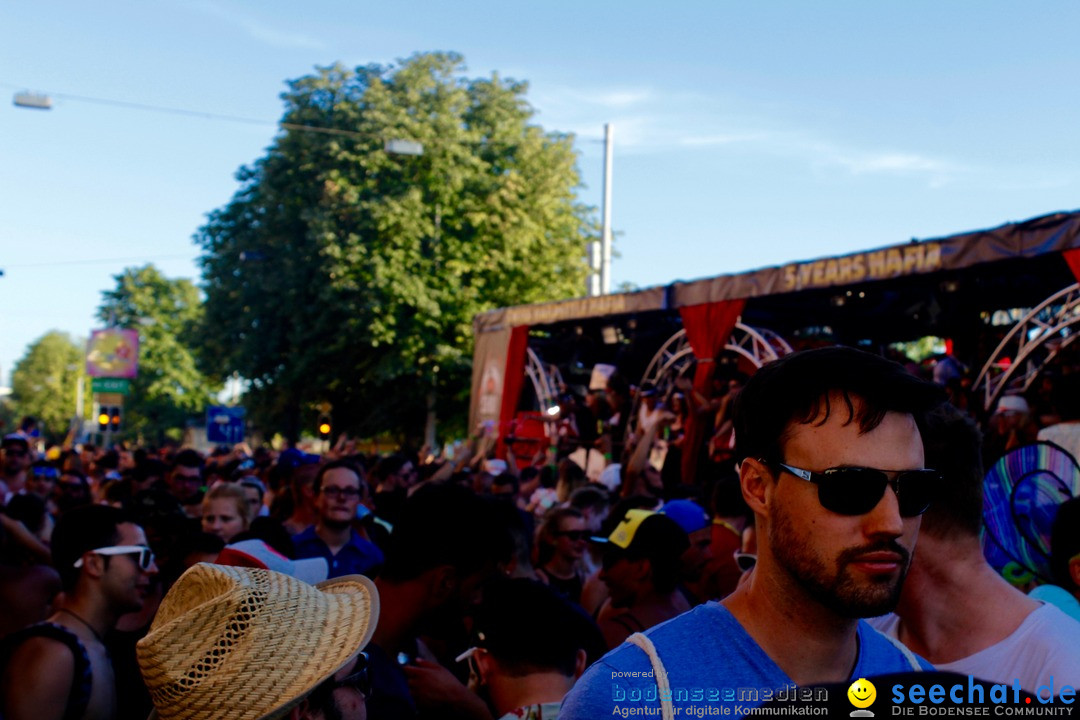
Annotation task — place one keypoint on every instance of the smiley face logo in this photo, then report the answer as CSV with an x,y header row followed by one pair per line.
x,y
862,693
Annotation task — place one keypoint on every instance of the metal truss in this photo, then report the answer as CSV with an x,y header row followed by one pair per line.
x,y
1031,345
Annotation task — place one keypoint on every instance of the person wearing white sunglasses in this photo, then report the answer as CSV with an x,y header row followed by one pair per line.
x,y
61,668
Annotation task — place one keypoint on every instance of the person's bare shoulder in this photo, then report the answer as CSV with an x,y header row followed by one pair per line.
x,y
37,681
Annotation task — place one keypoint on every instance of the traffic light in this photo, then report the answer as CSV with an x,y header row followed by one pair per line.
x,y
109,418
324,426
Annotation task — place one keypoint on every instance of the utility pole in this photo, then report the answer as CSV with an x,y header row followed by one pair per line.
x,y
605,232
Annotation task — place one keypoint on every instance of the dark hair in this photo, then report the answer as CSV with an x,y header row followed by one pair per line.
x,y
796,389
506,479
188,458
1067,397
445,525
335,465
118,491
77,474
109,461
147,469
386,467
271,532
29,509
81,529
200,542
590,497
1065,543
954,447
529,628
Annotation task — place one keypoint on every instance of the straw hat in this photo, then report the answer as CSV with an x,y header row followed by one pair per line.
x,y
243,643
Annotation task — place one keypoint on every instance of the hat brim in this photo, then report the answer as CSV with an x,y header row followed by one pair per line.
x,y
355,584
346,584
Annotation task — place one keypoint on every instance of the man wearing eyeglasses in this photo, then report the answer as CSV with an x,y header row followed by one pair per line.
x,y
61,668
832,467
338,494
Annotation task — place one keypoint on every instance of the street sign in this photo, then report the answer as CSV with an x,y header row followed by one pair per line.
x,y
120,386
112,353
224,424
109,399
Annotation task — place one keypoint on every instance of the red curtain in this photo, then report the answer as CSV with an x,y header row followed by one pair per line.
x,y
1073,258
708,328
513,380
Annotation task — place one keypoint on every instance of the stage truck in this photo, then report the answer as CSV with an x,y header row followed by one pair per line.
x,y
1005,300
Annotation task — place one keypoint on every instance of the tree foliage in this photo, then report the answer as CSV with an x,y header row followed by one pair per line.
x,y
170,388
342,272
44,382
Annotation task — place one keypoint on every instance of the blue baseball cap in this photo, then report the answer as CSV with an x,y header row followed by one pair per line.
x,y
690,516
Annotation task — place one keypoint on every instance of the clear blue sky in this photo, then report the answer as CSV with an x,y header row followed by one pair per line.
x,y
747,133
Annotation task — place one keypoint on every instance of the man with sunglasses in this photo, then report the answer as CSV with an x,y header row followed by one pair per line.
x,y
832,467
16,462
338,494
955,609
61,668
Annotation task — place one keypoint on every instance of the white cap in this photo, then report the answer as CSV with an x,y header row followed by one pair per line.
x,y
257,554
611,477
1012,403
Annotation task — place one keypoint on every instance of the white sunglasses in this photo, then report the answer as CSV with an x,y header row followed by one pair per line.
x,y
146,555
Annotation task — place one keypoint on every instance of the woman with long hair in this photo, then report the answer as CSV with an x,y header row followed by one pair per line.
x,y
561,543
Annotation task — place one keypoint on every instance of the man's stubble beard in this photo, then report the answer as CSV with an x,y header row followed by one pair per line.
x,y
837,590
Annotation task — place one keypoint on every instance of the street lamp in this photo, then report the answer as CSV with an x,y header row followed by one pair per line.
x,y
34,101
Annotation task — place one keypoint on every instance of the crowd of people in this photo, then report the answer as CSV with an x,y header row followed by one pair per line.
x,y
346,585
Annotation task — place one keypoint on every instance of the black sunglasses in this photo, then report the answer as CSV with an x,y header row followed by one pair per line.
x,y
359,678
574,535
858,490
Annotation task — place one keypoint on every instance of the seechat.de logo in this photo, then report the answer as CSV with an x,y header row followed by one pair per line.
x,y
974,698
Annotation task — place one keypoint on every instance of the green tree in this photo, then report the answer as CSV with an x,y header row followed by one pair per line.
x,y
170,388
342,272
44,383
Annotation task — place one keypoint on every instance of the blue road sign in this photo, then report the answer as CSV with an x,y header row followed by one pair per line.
x,y
224,424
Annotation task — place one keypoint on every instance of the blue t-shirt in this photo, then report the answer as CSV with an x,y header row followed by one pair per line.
x,y
358,557
711,661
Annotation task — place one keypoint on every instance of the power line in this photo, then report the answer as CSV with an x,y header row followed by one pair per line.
x,y
197,113
98,261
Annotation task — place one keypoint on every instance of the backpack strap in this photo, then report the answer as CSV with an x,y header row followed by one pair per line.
x,y
908,655
82,679
667,709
